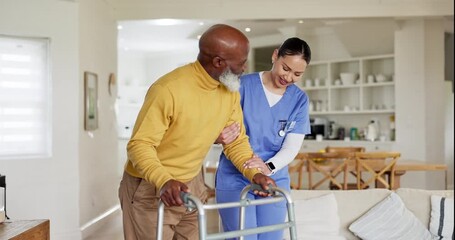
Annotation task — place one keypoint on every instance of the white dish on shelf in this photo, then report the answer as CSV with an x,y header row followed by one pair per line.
x,y
348,78
308,83
381,78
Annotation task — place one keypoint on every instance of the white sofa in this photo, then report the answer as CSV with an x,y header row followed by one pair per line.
x,y
352,204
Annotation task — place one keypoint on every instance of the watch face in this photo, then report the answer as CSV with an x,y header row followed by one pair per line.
x,y
271,166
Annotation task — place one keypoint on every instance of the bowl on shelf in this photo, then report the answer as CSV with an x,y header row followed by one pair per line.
x,y
348,78
381,78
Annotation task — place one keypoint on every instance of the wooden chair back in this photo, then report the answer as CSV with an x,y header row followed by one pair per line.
x,y
297,166
351,149
330,165
379,165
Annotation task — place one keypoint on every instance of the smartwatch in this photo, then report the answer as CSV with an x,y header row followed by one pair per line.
x,y
270,166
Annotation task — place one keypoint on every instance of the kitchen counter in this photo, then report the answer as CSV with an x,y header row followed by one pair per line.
x,y
314,146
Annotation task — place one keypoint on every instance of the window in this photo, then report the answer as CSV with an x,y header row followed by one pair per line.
x,y
25,116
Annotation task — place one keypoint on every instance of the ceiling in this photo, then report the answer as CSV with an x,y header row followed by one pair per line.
x,y
264,17
156,35
161,35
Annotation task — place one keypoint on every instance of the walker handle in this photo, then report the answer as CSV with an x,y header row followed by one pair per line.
x,y
184,196
257,187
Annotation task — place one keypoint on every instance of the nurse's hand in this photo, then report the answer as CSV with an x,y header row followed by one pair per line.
x,y
264,181
170,193
257,162
229,134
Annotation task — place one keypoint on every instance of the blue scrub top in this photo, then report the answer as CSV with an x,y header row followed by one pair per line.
x,y
263,124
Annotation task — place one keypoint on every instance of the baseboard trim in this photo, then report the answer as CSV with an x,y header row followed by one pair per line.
x,y
94,224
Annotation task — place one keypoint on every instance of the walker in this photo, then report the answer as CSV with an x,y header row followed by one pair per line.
x,y
192,202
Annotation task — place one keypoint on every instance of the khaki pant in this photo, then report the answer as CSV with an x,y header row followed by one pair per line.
x,y
139,201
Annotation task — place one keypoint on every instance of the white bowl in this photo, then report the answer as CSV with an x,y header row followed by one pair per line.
x,y
348,78
381,78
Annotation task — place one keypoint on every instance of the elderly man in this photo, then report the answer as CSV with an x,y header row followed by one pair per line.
x,y
183,113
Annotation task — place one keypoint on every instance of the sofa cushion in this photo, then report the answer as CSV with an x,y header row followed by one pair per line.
x,y
317,218
441,221
351,204
418,201
389,219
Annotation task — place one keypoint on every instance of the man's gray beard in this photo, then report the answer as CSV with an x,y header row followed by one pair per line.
x,y
230,80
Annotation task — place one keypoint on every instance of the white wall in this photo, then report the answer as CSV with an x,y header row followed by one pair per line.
x,y
49,188
131,68
325,45
158,64
142,69
98,160
419,56
435,100
136,73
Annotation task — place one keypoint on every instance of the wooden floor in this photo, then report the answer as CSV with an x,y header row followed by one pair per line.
x,y
113,230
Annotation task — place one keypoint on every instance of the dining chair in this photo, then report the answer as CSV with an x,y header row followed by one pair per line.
x,y
329,165
297,166
378,165
350,149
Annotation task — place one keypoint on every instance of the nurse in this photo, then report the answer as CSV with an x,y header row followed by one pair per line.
x,y
276,120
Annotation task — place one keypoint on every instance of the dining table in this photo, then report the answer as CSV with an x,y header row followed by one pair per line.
x,y
401,168
407,165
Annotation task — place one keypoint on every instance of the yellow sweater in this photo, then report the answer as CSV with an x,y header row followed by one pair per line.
x,y
183,113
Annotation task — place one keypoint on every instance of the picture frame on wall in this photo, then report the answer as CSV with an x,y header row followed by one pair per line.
x,y
91,101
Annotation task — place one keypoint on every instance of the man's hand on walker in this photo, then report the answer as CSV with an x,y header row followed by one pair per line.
x,y
264,181
170,193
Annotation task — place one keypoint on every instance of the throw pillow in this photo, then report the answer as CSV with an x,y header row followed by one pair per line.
x,y
441,220
389,219
317,218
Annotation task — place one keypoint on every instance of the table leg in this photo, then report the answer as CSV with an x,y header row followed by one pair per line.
x,y
397,179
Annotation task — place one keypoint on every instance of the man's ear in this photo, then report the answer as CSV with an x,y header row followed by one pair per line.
x,y
218,62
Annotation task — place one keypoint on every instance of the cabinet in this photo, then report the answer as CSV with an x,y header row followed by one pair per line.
x,y
371,96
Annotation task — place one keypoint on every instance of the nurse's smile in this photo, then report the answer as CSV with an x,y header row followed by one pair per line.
x,y
283,82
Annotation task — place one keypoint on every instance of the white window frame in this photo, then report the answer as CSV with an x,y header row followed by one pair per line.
x,y
25,98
